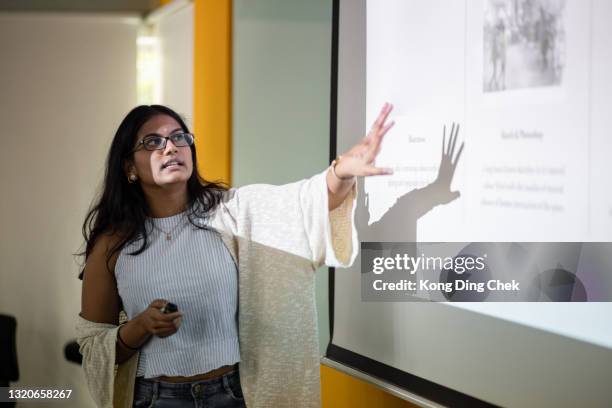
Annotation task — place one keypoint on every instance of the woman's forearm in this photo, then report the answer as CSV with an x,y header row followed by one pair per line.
x,y
337,189
133,335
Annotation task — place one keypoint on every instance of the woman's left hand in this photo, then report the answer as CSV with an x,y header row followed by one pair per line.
x,y
359,160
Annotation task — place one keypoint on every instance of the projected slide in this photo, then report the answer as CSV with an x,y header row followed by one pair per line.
x,y
529,83
525,80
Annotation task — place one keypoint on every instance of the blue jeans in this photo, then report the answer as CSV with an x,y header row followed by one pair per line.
x,y
221,392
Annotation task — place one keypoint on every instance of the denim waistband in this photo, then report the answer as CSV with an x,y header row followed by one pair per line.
x,y
185,389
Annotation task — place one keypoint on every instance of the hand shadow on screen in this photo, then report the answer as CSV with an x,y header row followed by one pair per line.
x,y
399,224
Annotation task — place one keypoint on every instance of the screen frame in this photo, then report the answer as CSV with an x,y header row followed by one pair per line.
x,y
566,386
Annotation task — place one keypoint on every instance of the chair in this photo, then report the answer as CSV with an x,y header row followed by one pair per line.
x,y
9,370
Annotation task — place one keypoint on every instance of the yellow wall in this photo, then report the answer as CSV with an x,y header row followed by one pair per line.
x,y
212,87
340,390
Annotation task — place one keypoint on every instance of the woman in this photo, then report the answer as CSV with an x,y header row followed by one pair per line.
x,y
159,233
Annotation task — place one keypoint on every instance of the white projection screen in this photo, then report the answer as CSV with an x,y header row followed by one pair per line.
x,y
530,84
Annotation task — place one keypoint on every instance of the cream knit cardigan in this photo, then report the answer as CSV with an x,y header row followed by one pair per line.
x,y
278,236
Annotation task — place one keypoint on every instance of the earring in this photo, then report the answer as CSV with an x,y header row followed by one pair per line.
x,y
132,178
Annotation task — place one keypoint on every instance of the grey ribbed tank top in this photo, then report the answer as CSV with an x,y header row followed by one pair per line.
x,y
195,271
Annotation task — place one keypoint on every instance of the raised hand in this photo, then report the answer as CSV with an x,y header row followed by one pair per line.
x,y
359,160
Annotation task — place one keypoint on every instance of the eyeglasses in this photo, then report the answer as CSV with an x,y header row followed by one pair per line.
x,y
154,142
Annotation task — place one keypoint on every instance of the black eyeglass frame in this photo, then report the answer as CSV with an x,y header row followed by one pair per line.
x,y
190,140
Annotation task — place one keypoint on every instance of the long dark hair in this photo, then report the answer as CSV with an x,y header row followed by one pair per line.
x,y
121,209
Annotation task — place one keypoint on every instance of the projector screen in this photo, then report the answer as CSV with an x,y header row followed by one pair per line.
x,y
529,83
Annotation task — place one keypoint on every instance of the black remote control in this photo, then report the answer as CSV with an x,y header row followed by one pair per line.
x,y
169,308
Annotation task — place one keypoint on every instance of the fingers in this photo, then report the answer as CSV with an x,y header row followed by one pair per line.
x,y
382,117
449,149
161,324
164,328
168,317
165,332
458,155
375,146
454,137
385,130
443,139
158,303
378,171
450,140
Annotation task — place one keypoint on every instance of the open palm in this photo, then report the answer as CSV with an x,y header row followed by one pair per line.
x,y
360,159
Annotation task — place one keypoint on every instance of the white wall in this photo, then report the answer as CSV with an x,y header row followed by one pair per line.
x,y
281,99
174,27
66,81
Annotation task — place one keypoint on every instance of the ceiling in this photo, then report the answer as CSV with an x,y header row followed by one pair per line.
x,y
88,6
